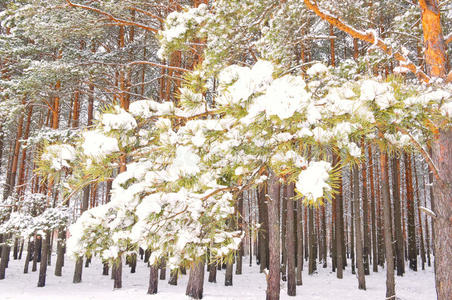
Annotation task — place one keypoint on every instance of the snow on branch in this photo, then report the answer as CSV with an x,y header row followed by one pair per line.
x,y
367,36
111,17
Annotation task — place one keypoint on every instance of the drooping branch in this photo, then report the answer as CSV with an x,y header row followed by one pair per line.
x,y
369,37
119,21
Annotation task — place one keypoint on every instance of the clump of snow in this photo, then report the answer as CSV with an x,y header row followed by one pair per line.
x,y
313,181
97,145
118,120
59,156
317,68
381,93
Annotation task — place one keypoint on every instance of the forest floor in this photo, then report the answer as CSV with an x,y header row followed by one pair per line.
x,y
249,286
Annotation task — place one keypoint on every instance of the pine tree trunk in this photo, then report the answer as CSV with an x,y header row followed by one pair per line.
x,y
173,277
263,231
418,203
442,223
36,251
290,240
4,260
28,257
196,281
359,239
390,284
162,269
240,251
412,256
300,257
212,272
78,270
228,274
44,258
372,212
339,230
153,279
117,284
397,216
312,262
273,278
365,208
60,252
283,234
352,222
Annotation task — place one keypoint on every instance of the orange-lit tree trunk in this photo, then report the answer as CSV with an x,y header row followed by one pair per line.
x,y
435,59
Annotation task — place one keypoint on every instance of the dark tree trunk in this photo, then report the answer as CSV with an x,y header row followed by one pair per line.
x,y
273,278
196,281
263,232
16,248
390,284
228,274
365,208
153,279
283,235
300,242
352,222
397,216
105,269
240,251
133,263
44,258
117,284
212,272
290,242
163,269
312,262
412,256
359,239
78,270
339,230
173,277
4,260
372,212
60,252
37,243
28,257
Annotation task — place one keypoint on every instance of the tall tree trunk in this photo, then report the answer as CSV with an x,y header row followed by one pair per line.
x,y
442,223
372,211
412,255
418,202
339,230
300,257
263,232
366,240
390,283
359,239
273,278
352,222
283,235
290,242
397,216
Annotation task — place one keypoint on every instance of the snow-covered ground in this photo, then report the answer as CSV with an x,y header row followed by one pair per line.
x,y
251,285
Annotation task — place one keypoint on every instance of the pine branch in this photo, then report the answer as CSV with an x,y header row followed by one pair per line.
x,y
368,36
111,17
